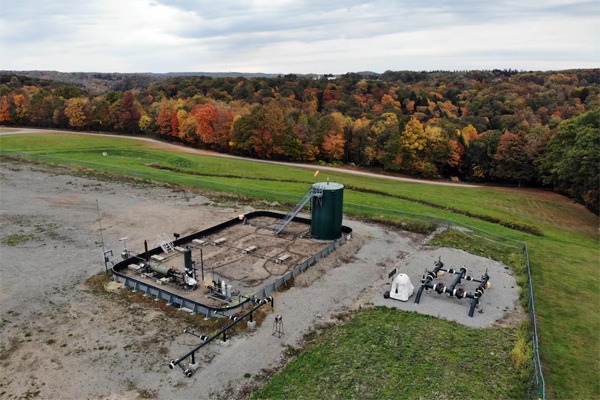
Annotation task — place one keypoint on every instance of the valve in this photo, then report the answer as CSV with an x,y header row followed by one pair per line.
x,y
439,288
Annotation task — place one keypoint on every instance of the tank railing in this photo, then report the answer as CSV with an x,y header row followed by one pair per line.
x,y
290,216
317,191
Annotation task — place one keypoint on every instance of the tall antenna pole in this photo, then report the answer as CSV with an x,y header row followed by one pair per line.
x,y
202,265
100,224
104,252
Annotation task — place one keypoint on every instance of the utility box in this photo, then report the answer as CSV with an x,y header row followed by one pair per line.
x,y
402,288
327,206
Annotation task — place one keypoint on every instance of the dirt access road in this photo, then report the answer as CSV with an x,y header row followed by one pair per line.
x,y
59,340
180,148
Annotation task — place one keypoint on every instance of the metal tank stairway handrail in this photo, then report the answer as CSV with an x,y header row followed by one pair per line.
x,y
164,242
313,192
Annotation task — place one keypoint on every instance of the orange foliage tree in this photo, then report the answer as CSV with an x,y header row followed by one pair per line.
x,y
334,140
163,120
5,111
20,107
206,117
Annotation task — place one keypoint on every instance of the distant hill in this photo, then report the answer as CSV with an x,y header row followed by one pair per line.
x,y
102,82
219,74
93,82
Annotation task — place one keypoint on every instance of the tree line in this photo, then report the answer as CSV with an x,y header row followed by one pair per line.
x,y
524,128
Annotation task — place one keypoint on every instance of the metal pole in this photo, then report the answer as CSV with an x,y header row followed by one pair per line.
x,y
102,238
202,265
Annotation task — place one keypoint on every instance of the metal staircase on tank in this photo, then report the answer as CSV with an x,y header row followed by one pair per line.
x,y
313,192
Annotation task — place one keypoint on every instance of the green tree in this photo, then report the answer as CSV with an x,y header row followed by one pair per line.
x,y
261,133
513,162
358,149
571,163
479,156
385,142
100,108
269,139
243,129
297,144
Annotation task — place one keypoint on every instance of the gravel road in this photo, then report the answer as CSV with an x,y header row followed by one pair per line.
x,y
185,149
59,340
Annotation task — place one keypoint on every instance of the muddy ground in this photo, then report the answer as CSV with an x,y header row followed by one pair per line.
x,y
61,340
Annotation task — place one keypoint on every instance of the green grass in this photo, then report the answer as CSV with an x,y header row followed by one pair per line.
x,y
16,239
401,356
564,260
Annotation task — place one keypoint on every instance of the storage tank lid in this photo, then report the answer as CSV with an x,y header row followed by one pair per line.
x,y
328,185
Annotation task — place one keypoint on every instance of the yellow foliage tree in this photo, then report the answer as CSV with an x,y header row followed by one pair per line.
x,y
413,136
77,112
187,126
468,133
20,103
145,123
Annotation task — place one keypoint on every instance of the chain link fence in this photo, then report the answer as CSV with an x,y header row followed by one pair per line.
x,y
537,363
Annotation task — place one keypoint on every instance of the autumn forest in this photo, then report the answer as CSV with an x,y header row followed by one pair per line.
x,y
502,127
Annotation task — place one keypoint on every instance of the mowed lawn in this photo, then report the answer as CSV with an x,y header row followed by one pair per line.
x,y
564,260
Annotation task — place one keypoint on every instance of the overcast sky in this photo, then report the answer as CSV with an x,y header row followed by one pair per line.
x,y
295,36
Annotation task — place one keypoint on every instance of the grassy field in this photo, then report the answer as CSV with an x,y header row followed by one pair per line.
x,y
401,356
564,260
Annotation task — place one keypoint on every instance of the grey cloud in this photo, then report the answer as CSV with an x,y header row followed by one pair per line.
x,y
44,21
578,9
316,20
236,27
237,30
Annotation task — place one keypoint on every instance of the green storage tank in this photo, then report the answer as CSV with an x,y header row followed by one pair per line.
x,y
327,206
